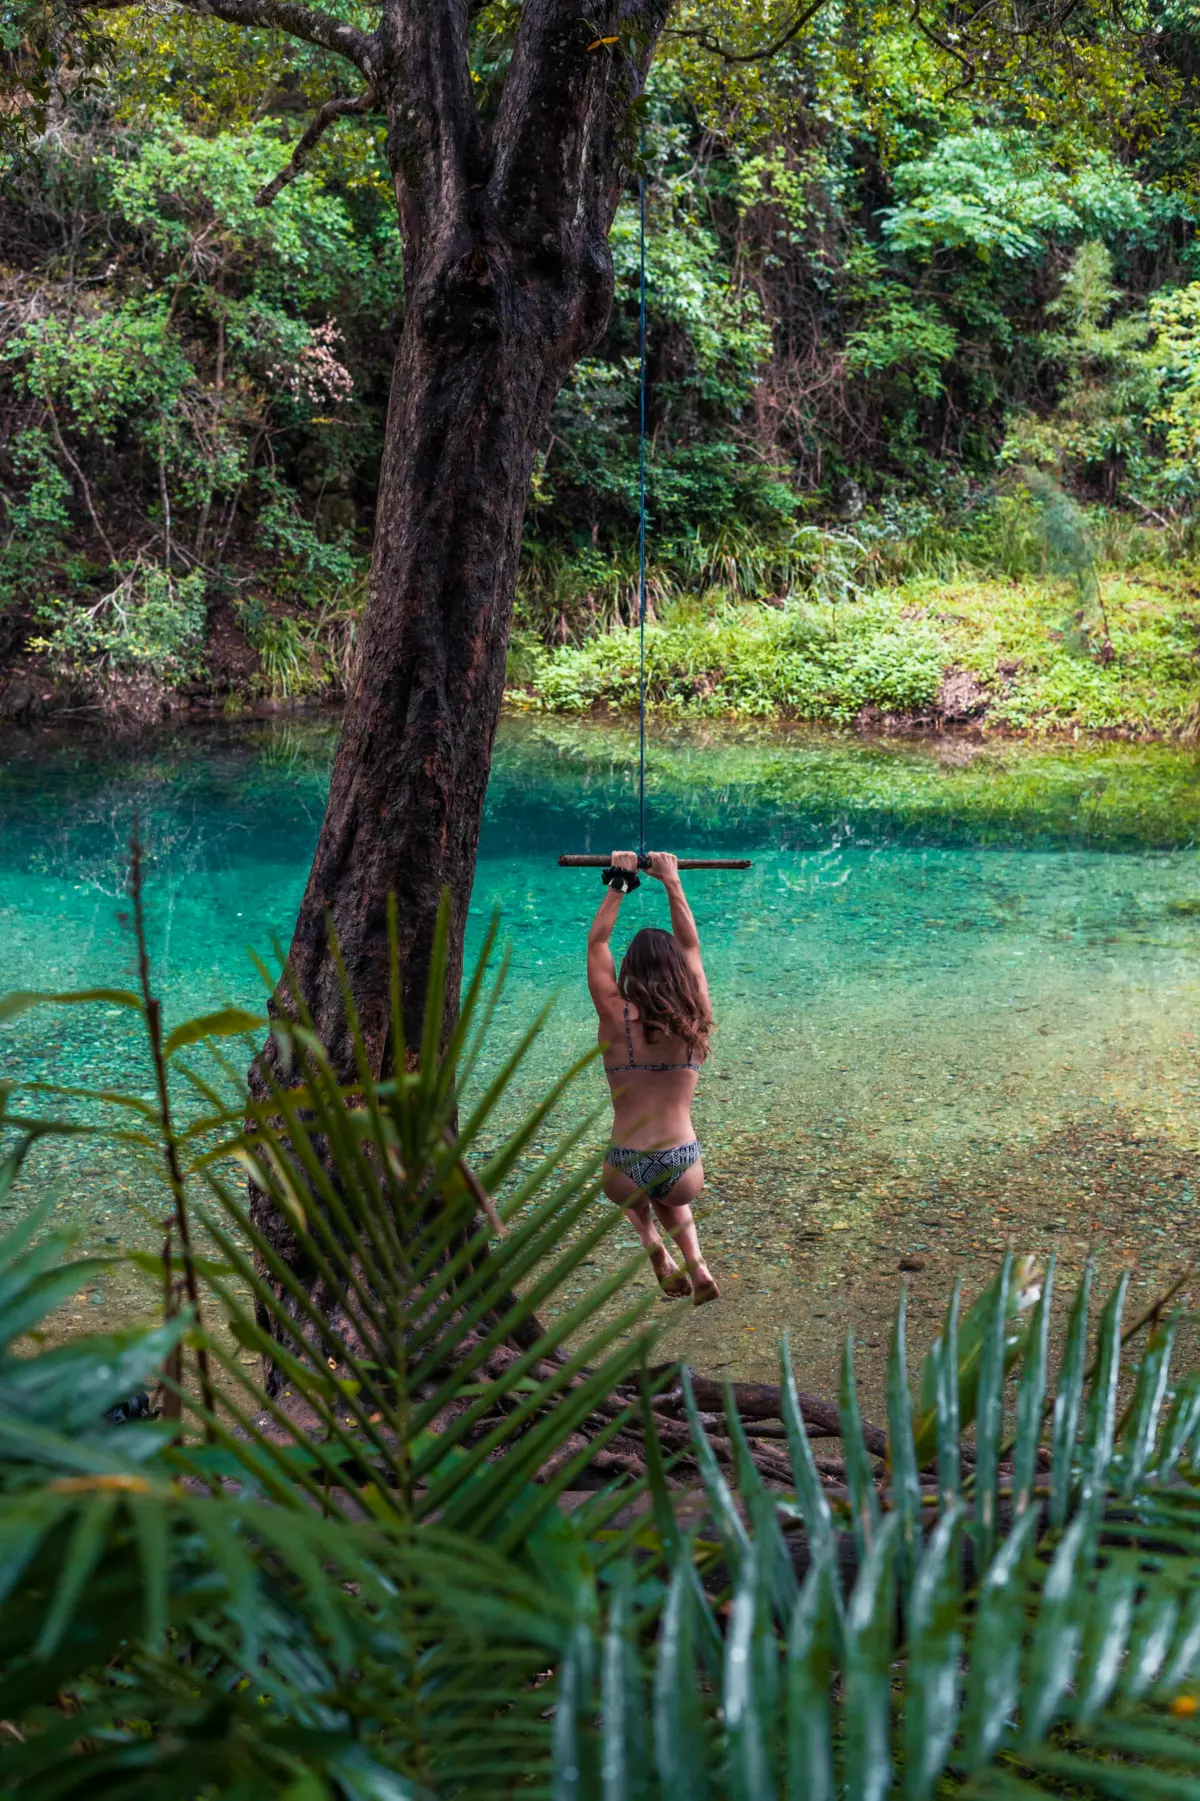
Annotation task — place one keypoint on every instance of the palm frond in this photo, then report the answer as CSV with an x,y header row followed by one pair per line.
x,y
384,1504
1022,1617
355,1571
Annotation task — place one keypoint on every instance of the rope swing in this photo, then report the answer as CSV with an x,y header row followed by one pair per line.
x,y
600,862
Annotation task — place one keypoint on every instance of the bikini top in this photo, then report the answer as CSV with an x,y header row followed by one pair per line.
x,y
616,1069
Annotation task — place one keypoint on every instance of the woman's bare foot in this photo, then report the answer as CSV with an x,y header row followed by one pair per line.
x,y
704,1288
671,1279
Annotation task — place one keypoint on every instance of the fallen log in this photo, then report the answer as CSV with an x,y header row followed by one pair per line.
x,y
763,1401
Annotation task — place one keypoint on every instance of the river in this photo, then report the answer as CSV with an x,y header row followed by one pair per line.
x,y
956,995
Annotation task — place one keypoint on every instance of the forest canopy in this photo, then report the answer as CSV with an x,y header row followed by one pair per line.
x,y
894,268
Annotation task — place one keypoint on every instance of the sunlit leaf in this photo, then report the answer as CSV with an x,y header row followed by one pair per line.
x,y
228,1022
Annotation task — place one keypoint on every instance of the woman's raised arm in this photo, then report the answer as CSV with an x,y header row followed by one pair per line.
x,y
665,868
601,970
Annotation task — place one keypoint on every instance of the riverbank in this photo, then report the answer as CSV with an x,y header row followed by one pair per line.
x,y
1008,656
992,655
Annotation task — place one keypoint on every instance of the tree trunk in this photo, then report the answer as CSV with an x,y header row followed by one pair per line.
x,y
406,795
508,280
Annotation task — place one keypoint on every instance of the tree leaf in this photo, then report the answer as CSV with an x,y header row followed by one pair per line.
x,y
864,1502
680,1752
1031,1395
948,1434
729,1521
935,1641
84,1552
1068,1399
1057,1633
623,1757
906,1489
866,1724
989,1416
747,1720
810,1496
227,1022
993,1680
1140,1431
572,1704
20,1001
813,1642
1100,1419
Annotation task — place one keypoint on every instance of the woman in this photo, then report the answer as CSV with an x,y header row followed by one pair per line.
x,y
655,1019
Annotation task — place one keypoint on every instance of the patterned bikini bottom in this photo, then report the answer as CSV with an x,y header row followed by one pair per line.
x,y
655,1172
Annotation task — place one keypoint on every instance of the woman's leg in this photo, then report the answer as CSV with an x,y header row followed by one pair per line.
x,y
625,1193
675,1217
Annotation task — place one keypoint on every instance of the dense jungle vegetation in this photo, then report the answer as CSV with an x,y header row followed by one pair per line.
x,y
925,384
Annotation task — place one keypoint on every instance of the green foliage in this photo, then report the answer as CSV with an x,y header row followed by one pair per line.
x,y
367,1608
355,1588
1006,1631
192,198
36,517
863,269
304,564
902,244
1041,651
308,652
904,339
150,621
999,193
1070,548
801,662
690,292
1174,359
106,369
186,373
282,651
1102,426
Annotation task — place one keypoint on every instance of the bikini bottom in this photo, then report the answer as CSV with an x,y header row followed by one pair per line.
x,y
655,1172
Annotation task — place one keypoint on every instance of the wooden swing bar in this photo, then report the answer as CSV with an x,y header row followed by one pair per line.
x,y
590,862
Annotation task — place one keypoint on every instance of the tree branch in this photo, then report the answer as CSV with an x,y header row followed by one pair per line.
x,y
82,479
342,106
966,61
290,16
709,43
566,117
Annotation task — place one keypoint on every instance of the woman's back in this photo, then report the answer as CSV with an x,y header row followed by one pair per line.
x,y
652,1080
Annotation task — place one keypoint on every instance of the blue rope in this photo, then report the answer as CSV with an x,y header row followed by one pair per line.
x,y
642,539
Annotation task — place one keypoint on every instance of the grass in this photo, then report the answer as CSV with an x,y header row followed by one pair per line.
x,y
1038,664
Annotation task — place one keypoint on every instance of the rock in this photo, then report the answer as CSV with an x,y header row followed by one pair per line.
x,y
850,499
20,701
961,695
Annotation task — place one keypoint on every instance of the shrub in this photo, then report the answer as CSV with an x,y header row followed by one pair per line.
x,y
151,620
798,662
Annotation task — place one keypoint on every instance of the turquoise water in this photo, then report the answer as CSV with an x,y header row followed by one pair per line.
x,y
955,996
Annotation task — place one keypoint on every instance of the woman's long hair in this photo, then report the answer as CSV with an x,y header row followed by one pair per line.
x,y
656,978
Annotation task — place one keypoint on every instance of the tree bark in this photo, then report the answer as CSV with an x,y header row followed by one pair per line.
x,y
508,282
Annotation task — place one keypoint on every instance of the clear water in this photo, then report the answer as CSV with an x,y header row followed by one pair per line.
x,y
955,996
